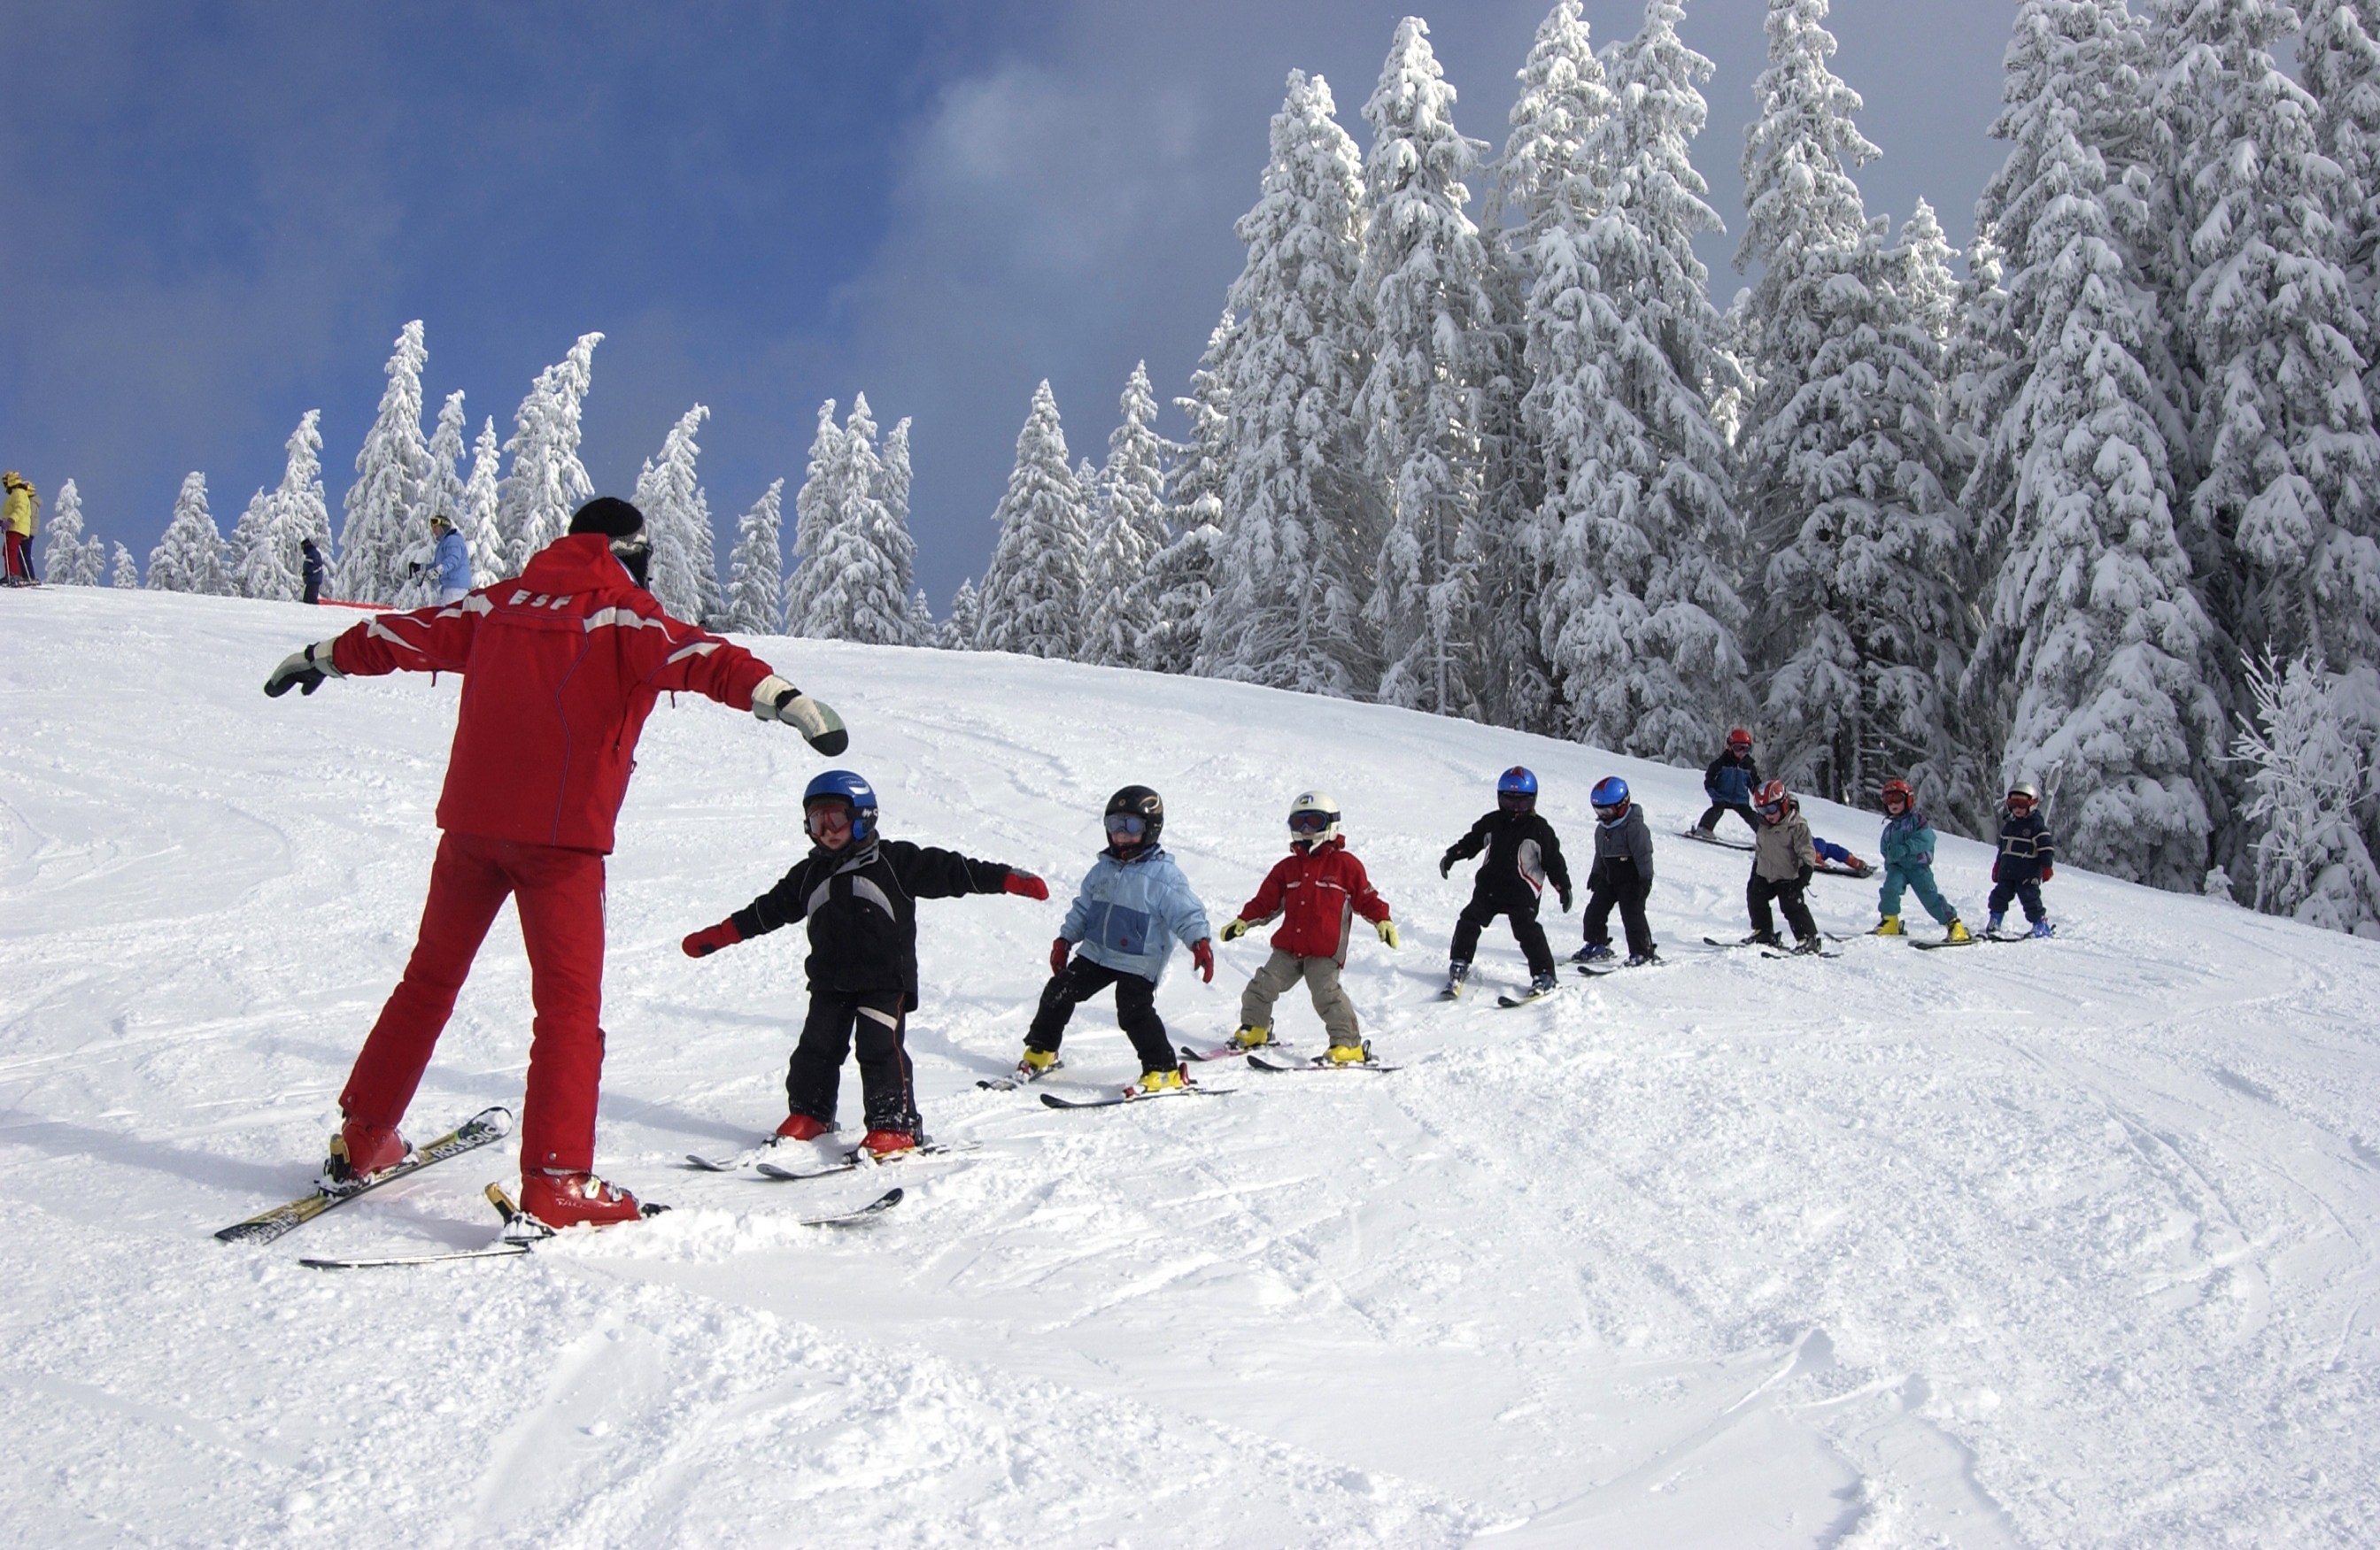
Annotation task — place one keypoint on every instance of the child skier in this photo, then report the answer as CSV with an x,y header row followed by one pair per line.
x,y
1908,847
1622,875
1131,905
858,893
1781,864
1522,855
1730,782
1317,887
2026,852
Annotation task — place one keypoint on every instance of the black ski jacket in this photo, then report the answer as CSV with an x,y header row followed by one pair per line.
x,y
861,905
1522,856
2025,847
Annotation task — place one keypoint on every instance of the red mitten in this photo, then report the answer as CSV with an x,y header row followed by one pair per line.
x,y
1202,952
710,938
1028,885
2047,871
1995,871
1059,951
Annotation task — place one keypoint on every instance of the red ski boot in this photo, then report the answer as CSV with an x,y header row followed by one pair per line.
x,y
564,1200
359,1150
885,1145
802,1127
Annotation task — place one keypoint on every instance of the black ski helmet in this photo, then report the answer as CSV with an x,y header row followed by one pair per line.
x,y
1139,802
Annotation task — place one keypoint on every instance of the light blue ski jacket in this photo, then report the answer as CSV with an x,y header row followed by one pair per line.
x,y
1127,914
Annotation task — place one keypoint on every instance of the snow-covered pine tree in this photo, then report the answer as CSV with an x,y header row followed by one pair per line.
x,y
189,558
1564,95
1130,507
676,516
2339,60
2309,748
1301,520
845,587
2290,478
892,498
1423,283
391,471
1180,584
128,570
2094,638
818,504
1031,601
547,482
483,533
251,546
958,630
70,559
756,588
1640,621
443,492
919,624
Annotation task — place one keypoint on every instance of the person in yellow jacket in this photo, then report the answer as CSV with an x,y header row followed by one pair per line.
x,y
16,515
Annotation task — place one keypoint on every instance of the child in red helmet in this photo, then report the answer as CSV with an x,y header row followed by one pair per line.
x,y
1730,782
1781,864
1908,847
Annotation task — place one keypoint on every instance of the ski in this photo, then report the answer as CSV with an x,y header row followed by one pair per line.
x,y
863,1215
1023,1076
1526,999
1709,839
740,1162
519,1232
1132,1094
1772,952
1978,937
1319,1062
1224,1053
858,1158
489,1124
1831,870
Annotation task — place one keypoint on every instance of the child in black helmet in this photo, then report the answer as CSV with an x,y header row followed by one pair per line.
x,y
1522,856
1132,907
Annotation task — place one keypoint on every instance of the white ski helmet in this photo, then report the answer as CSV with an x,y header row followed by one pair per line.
x,y
1312,819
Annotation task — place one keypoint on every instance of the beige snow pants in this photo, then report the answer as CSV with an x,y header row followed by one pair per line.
x,y
1321,976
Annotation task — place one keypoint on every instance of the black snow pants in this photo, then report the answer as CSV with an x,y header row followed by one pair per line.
x,y
1709,821
1617,883
877,1018
1135,1001
1788,895
1485,908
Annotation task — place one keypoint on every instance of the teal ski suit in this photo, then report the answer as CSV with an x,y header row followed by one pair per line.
x,y
1908,847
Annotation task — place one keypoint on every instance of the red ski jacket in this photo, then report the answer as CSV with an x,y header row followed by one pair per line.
x,y
561,666
1315,892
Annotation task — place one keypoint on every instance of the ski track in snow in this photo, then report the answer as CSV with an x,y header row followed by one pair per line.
x,y
2066,1243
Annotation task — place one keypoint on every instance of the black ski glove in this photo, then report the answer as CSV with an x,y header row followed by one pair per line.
x,y
303,670
773,699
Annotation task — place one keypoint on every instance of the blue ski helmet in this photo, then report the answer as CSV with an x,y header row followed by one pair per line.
x,y
842,785
1516,791
1611,794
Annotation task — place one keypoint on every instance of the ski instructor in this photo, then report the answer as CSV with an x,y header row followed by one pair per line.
x,y
561,665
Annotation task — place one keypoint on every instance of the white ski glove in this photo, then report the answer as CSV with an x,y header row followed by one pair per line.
x,y
773,699
303,670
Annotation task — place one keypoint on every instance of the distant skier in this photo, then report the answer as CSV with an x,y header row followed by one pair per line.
x,y
859,895
1319,889
1781,864
1908,847
1622,875
560,666
1522,856
2024,862
18,508
450,559
1730,782
1133,905
313,568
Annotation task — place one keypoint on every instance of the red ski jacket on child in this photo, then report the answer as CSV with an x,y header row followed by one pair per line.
x,y
561,666
1315,892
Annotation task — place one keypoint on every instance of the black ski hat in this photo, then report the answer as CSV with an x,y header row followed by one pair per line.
x,y
608,516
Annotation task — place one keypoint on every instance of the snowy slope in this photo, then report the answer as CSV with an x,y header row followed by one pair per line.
x,y
2067,1243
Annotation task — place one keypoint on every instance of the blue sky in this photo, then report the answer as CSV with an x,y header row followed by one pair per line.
x,y
217,216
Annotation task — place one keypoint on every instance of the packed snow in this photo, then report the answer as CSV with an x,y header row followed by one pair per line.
x,y
2063,1242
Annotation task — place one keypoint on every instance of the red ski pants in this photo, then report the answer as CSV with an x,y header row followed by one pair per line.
x,y
560,896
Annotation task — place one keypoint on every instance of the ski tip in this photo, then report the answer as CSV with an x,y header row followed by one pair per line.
x,y
503,1202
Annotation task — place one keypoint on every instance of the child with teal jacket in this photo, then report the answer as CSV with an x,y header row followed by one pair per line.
x,y
1134,905
1908,847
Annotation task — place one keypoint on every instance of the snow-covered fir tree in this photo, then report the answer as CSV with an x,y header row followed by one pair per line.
x,y
2339,60
250,551
1640,621
391,473
893,538
483,533
70,559
1180,584
128,570
959,627
547,482
2096,650
296,511
1423,283
845,586
676,516
189,558
2309,748
919,624
1031,601
1301,519
443,494
1566,94
756,586
1130,510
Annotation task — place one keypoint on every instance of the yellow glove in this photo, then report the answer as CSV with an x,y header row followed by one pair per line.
x,y
1233,929
1388,929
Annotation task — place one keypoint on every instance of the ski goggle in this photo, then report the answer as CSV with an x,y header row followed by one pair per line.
x,y
1311,822
827,817
1515,800
1770,809
2019,803
1126,826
